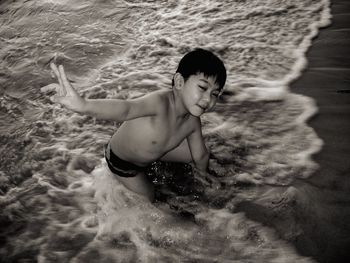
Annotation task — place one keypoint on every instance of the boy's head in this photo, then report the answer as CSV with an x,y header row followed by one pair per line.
x,y
202,61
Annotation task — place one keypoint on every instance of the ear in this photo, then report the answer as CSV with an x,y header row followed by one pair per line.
x,y
179,81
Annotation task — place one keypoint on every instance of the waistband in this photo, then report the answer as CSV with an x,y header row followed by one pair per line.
x,y
119,166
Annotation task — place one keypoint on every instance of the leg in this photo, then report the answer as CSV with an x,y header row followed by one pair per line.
x,y
179,154
138,184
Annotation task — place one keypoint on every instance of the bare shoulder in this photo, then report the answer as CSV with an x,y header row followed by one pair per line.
x,y
163,95
158,97
155,96
162,98
151,102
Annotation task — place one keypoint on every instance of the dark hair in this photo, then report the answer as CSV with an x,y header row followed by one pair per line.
x,y
202,61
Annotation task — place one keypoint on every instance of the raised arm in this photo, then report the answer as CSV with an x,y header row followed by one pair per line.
x,y
112,109
123,110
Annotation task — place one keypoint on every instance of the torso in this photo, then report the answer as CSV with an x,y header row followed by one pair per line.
x,y
146,139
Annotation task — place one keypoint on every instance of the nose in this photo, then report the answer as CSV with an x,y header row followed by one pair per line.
x,y
206,97
207,101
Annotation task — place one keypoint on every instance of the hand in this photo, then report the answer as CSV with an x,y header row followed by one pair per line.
x,y
206,178
65,95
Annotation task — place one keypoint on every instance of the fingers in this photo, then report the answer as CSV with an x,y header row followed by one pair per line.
x,y
59,99
56,72
50,87
62,90
65,81
54,99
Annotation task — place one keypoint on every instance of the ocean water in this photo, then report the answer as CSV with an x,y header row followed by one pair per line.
x,y
58,204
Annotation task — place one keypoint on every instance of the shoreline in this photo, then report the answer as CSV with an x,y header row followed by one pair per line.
x,y
325,80
313,214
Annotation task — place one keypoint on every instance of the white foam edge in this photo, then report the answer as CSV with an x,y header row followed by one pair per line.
x,y
300,52
272,90
296,72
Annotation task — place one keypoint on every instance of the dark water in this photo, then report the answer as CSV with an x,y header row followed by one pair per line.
x,y
58,203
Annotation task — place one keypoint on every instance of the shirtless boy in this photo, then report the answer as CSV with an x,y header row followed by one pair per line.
x,y
163,125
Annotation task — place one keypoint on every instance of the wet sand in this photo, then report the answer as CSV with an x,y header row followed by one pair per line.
x,y
314,213
326,236
326,79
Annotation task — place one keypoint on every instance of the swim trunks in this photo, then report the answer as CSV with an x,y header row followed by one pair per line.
x,y
121,167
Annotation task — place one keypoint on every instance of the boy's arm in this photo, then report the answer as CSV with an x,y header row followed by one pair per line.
x,y
113,109
198,149
122,110
200,156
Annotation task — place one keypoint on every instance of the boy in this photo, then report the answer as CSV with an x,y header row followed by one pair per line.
x,y
163,125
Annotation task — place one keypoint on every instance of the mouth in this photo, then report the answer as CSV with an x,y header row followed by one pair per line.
x,y
203,108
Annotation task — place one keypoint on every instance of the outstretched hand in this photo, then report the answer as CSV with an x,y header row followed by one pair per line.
x,y
65,95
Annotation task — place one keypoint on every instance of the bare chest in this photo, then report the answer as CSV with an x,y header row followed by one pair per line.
x,y
154,136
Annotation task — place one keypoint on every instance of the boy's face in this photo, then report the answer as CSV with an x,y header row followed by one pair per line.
x,y
200,93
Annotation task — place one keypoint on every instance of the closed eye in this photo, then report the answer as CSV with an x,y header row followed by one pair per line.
x,y
202,88
216,93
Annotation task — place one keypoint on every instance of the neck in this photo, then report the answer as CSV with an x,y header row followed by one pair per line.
x,y
180,111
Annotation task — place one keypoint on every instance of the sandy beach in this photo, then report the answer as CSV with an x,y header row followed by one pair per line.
x,y
326,79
